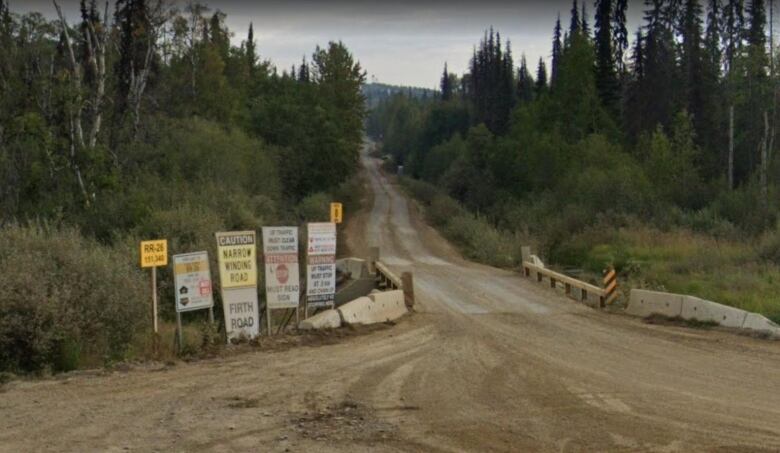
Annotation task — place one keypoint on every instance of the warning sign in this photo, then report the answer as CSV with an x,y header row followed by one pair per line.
x,y
154,253
321,265
242,318
192,281
237,256
336,213
282,281
322,239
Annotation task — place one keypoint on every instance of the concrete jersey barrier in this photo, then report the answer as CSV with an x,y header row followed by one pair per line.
x,y
328,319
376,308
706,311
645,303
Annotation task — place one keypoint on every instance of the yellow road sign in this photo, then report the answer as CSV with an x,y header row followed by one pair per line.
x,y
154,253
336,213
237,259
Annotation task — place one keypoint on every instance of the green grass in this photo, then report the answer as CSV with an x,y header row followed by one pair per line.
x,y
728,272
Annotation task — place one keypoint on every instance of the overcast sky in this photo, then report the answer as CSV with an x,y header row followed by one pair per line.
x,y
399,42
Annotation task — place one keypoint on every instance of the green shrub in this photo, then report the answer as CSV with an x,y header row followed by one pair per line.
x,y
315,208
65,299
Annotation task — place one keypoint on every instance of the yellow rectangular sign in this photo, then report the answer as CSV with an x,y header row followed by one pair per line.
x,y
237,256
154,253
336,213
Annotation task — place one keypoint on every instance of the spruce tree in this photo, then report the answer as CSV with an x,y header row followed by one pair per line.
x,y
303,71
446,85
525,83
575,25
606,76
585,28
541,78
251,50
557,50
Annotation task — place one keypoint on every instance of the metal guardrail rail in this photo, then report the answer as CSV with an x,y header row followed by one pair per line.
x,y
539,272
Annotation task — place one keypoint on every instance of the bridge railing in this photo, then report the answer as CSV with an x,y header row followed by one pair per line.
x,y
584,289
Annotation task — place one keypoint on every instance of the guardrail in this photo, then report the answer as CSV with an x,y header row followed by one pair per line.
x,y
539,272
386,277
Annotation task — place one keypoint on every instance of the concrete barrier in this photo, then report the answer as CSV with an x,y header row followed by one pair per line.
x,y
355,267
706,311
328,319
376,308
754,321
644,303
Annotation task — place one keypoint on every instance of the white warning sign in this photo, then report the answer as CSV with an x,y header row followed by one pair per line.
x,y
282,280
321,265
242,318
192,280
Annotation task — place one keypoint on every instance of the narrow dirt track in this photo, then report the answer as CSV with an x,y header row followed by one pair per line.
x,y
490,362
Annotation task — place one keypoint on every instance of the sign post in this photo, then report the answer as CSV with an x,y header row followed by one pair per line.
x,y
153,254
282,281
320,266
192,283
237,257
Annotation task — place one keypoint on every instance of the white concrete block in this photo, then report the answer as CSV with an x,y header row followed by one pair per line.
x,y
705,310
328,319
376,308
754,321
644,303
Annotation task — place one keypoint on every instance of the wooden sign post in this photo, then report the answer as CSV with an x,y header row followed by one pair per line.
x,y
154,254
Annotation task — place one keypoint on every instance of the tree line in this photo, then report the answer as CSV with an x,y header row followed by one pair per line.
x,y
148,121
674,125
81,99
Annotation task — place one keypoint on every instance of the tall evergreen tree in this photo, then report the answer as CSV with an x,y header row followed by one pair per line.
x,y
620,34
303,71
606,75
251,50
575,25
557,50
446,85
525,82
541,78
584,20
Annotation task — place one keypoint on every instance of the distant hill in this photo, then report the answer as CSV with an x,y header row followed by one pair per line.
x,y
376,92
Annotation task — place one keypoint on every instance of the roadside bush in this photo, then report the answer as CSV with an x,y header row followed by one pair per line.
x,y
483,243
64,299
315,208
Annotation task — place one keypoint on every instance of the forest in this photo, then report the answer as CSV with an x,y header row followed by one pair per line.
x,y
142,122
651,151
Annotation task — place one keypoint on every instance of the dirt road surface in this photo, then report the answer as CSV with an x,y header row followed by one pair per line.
x,y
490,362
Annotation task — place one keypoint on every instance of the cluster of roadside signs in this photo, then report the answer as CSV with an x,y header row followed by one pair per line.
x,y
237,262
